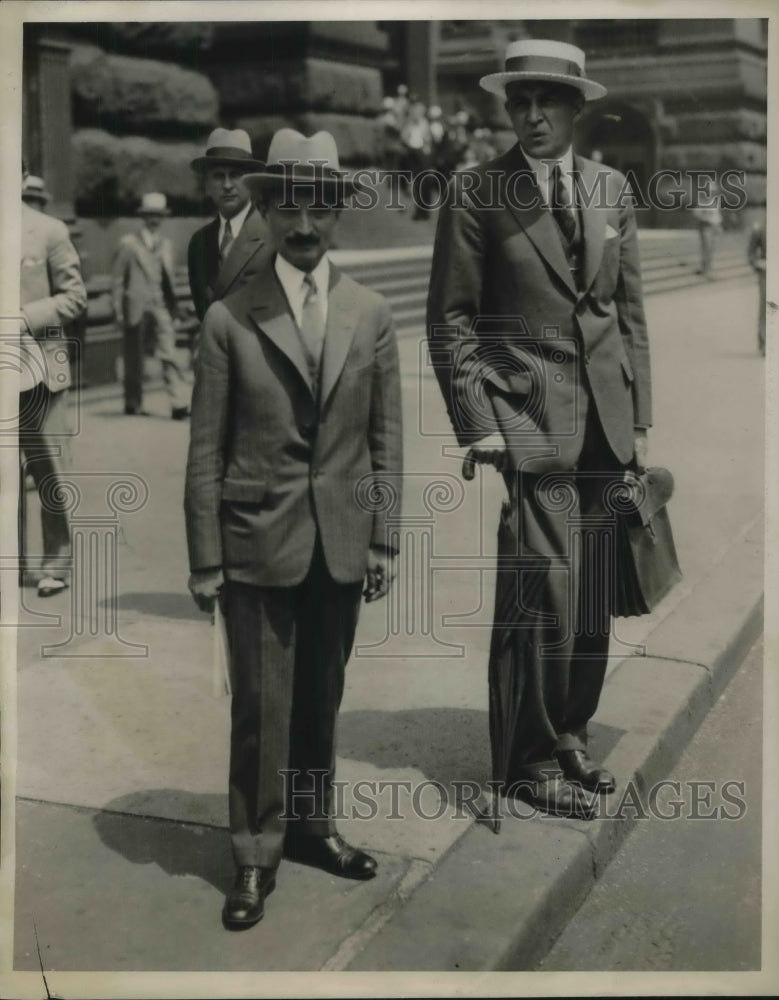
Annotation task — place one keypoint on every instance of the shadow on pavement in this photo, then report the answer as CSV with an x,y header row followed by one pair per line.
x,y
164,605
177,848
445,744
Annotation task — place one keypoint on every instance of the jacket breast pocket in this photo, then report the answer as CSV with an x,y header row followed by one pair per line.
x,y
243,490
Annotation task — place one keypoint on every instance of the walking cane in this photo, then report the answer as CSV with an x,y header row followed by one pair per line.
x,y
220,660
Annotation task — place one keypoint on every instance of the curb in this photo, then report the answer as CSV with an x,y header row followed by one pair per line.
x,y
499,902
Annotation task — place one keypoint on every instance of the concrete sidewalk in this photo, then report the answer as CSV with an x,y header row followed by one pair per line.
x,y
122,850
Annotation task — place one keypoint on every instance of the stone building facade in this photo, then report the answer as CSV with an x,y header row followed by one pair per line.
x,y
111,110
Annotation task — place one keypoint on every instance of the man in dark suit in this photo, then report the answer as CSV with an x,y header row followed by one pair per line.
x,y
52,296
295,414
537,333
224,252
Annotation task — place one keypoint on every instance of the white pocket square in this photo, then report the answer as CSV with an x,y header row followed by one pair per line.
x,y
611,233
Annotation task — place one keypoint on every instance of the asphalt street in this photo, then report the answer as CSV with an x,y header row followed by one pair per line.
x,y
684,893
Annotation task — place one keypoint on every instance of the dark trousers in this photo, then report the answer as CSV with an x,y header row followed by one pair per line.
x,y
155,323
289,647
44,443
565,516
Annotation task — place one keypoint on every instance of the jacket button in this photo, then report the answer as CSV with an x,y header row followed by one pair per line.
x,y
307,429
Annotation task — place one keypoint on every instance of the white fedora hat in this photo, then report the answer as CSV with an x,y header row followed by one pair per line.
x,y
301,161
543,59
228,148
153,203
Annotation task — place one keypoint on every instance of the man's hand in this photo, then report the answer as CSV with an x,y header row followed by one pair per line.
x,y
641,447
204,585
380,574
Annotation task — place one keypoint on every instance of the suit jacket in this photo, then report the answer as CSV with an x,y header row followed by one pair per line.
x,y
52,293
208,281
142,279
519,348
269,464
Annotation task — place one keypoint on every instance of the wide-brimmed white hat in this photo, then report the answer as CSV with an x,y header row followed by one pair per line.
x,y
297,160
153,203
228,148
543,59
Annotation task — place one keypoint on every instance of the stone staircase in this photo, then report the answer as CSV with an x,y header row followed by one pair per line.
x,y
669,259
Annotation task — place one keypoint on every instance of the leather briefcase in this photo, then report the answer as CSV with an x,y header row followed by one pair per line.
x,y
646,566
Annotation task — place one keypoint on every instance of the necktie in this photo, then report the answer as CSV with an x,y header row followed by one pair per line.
x,y
227,239
562,211
312,326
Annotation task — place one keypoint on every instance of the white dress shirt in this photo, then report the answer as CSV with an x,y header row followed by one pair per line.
x,y
293,282
236,223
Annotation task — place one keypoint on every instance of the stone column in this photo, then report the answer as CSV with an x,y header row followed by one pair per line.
x,y
421,52
47,118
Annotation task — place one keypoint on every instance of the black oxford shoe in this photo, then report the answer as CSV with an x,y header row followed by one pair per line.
x,y
245,903
332,854
578,768
555,796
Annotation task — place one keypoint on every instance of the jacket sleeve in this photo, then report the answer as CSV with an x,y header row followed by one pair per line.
x,y
208,438
465,376
195,271
118,279
629,301
68,298
385,430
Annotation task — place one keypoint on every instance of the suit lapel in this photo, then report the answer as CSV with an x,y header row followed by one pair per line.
x,y
536,220
342,314
246,245
593,216
271,314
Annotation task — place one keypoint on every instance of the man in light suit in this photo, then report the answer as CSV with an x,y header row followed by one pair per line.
x,y
224,252
537,332
52,295
144,297
295,414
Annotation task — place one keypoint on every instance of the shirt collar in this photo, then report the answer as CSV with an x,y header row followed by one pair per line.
x,y
237,221
543,168
292,277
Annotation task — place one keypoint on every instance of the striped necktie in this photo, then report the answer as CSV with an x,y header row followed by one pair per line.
x,y
312,326
562,211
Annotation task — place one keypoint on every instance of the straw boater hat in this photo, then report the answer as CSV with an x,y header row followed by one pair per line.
x,y
543,59
34,189
294,159
153,203
227,148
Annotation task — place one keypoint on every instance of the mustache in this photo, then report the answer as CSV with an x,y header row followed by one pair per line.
x,y
298,240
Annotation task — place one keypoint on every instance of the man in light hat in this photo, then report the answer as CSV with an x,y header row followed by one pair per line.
x,y
296,430
225,251
34,193
144,299
52,296
537,332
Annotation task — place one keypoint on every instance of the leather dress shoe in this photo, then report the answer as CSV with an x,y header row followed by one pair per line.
x,y
579,769
245,903
180,413
332,854
136,411
555,796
